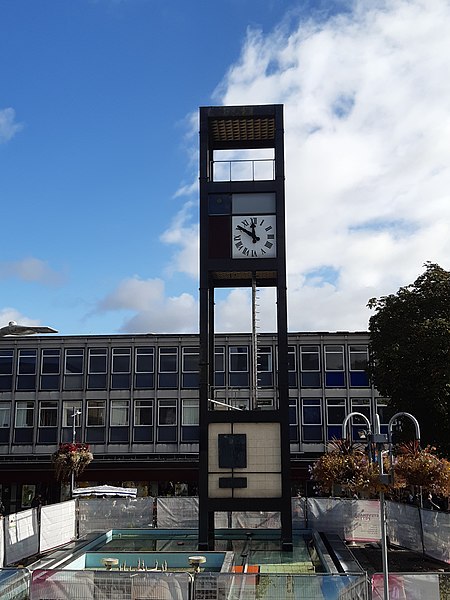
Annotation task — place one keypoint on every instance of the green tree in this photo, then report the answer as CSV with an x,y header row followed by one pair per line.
x,y
410,352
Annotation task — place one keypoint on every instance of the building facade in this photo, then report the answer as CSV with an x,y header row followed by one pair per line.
x,y
138,396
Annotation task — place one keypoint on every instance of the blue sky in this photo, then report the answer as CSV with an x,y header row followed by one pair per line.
x,y
99,153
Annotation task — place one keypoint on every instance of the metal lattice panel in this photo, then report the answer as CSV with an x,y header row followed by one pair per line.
x,y
243,129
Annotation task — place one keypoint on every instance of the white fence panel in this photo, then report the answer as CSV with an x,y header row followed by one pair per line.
x,y
436,534
351,519
103,514
108,585
181,512
21,535
256,520
57,525
407,586
403,525
299,513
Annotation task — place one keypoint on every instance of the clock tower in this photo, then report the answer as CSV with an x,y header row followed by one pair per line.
x,y
244,450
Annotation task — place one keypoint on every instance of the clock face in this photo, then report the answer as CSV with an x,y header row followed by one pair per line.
x,y
254,236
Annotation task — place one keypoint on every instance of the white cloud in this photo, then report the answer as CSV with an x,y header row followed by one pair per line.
x,y
153,310
366,135
31,269
8,314
183,234
8,127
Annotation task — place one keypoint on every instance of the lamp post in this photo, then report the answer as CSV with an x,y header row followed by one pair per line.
x,y
379,439
76,413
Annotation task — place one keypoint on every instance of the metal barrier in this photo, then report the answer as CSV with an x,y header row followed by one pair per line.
x,y
246,586
109,585
103,514
14,584
413,586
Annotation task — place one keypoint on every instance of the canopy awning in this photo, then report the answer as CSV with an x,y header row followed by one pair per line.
x,y
105,490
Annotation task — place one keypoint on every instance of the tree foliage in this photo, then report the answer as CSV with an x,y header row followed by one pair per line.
x,y
410,352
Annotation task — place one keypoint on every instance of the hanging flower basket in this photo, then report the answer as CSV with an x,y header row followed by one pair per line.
x,y
71,458
422,468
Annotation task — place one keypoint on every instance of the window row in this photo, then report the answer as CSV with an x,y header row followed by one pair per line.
x,y
78,369
120,421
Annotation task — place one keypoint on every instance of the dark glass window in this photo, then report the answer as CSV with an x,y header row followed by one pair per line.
x,y
336,412
310,366
168,368
119,418
24,414
239,366
48,413
96,413
292,366
5,414
26,370
265,366
219,366
359,425
358,361
143,412
73,369
190,365
167,420
121,368
312,429
334,366
293,420
145,368
6,369
97,369
50,368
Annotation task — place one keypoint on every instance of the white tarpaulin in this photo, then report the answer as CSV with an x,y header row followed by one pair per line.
x,y
256,520
103,514
2,543
181,512
21,535
105,490
57,525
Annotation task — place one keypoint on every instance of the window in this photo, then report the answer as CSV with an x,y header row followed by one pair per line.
x,y
336,411
119,420
293,420
95,421
48,413
361,405
119,414
5,421
145,368
143,412
334,366
238,361
71,407
219,366
385,412
73,368
167,421
121,368
6,369
5,414
24,414
167,412
189,420
50,368
168,368
358,361
190,359
312,420
310,366
189,414
23,432
26,370
48,422
265,367
97,368
292,366
96,410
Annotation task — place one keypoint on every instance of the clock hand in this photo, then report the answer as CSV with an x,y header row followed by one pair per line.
x,y
255,238
250,233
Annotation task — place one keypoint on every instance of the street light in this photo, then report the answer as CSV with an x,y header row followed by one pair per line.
x,y
14,329
379,439
76,413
